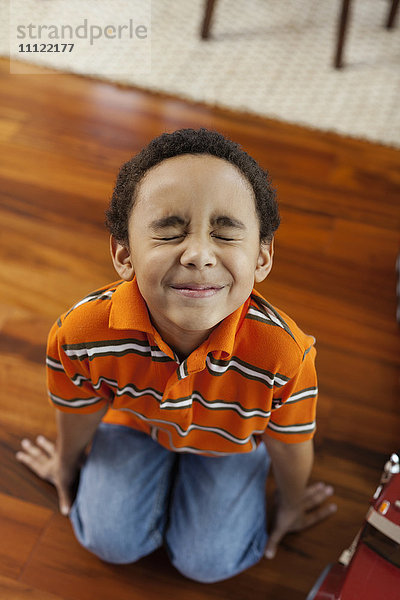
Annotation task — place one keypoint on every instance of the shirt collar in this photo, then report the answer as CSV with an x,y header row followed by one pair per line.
x,y
222,339
129,311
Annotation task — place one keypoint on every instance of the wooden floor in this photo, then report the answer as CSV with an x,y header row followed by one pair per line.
x,y
62,140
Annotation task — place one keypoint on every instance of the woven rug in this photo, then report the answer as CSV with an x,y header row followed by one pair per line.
x,y
267,57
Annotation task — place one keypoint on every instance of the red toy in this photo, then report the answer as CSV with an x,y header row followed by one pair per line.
x,y
370,568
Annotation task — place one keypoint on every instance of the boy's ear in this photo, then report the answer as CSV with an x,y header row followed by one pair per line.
x,y
264,261
122,260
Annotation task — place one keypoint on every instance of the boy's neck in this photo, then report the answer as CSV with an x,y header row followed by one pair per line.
x,y
186,345
183,343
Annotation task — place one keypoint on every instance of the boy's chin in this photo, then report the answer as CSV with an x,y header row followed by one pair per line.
x,y
200,323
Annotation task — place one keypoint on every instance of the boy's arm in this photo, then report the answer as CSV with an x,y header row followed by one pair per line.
x,y
298,506
60,463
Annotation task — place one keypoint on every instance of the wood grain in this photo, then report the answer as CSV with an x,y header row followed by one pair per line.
x,y
62,140
14,590
21,526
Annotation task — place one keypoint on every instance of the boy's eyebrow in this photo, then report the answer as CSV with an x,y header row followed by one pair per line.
x,y
175,220
225,221
165,222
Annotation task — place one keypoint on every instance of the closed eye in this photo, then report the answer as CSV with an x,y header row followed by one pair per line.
x,y
225,238
178,237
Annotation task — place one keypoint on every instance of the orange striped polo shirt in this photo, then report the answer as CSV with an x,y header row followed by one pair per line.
x,y
255,373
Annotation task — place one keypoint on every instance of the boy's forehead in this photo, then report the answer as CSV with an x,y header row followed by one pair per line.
x,y
186,169
195,177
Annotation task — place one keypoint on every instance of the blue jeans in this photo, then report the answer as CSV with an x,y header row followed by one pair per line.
x,y
134,496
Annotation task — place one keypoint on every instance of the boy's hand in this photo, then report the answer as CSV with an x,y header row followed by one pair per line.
x,y
300,516
43,460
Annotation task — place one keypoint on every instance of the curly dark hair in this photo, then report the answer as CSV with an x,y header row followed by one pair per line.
x,y
190,141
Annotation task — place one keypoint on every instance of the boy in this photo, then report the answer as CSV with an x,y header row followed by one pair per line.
x,y
185,379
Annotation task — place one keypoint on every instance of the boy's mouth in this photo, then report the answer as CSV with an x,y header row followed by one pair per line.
x,y
196,290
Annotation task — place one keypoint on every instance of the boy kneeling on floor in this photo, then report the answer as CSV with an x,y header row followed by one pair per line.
x,y
186,380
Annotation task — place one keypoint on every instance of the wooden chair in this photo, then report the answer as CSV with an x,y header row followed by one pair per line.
x,y
342,24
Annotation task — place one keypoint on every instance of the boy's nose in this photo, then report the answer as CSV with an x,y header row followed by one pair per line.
x,y
198,253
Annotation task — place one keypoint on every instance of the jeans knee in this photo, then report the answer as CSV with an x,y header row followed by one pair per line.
x,y
197,572
202,566
213,559
112,553
109,543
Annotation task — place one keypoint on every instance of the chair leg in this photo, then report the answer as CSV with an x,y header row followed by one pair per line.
x,y
392,14
342,30
209,9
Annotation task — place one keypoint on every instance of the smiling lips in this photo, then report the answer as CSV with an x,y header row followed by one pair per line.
x,y
196,290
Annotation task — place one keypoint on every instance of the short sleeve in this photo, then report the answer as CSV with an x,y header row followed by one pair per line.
x,y
294,404
69,385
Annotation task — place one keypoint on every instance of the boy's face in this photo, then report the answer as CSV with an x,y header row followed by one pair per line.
x,y
194,245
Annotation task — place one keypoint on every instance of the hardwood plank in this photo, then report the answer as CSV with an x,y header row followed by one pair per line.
x,y
21,525
14,590
25,412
